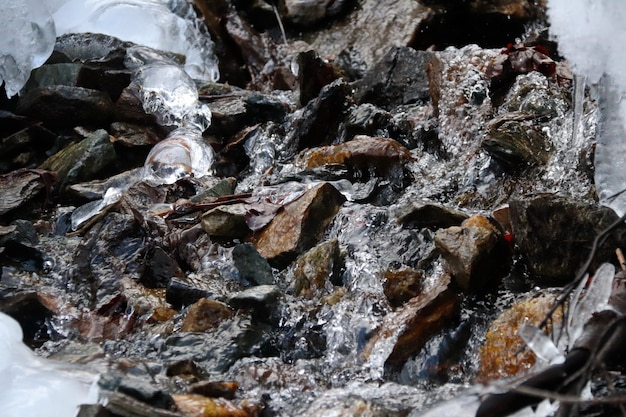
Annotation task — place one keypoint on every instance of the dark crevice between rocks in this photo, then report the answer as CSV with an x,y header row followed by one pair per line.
x,y
459,27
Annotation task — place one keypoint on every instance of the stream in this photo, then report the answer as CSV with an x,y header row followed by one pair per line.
x,y
334,226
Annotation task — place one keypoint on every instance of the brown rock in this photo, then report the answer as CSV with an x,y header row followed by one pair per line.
x,y
401,285
299,225
205,314
362,152
194,405
424,213
416,322
18,187
503,354
474,253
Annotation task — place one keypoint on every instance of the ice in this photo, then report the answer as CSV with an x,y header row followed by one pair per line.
x,y
169,93
169,25
184,152
27,38
33,386
542,345
594,299
590,35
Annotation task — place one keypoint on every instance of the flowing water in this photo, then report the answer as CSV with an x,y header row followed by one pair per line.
x,y
319,365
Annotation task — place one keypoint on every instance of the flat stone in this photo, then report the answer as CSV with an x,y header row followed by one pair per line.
x,y
20,186
413,324
299,225
360,153
82,161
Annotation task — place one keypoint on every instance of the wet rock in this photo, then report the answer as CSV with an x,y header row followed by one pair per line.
x,y
503,354
187,290
261,299
371,28
362,154
317,270
555,234
216,350
299,225
514,139
310,12
146,302
54,74
160,268
82,161
251,265
66,106
233,109
401,285
19,187
313,74
215,389
120,404
195,405
255,48
413,324
368,119
130,135
474,253
146,392
320,119
400,77
423,213
538,95
32,310
205,314
226,221
23,142
19,247
110,250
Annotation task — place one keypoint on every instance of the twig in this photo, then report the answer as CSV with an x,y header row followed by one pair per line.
x,y
621,259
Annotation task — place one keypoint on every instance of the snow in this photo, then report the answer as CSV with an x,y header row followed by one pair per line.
x,y
33,386
590,34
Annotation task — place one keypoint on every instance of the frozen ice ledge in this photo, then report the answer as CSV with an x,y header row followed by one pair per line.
x,y
29,29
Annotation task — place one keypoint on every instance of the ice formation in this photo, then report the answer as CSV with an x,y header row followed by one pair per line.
x,y
33,386
27,38
169,25
590,35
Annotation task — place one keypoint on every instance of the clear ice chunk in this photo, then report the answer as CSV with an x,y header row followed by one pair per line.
x,y
183,153
27,37
542,345
595,298
169,25
169,93
34,386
